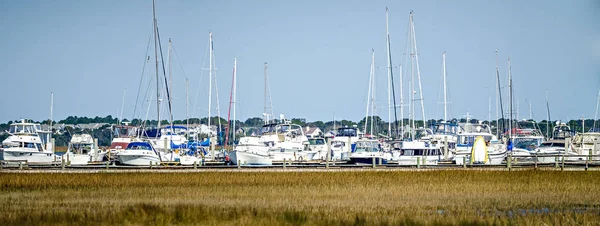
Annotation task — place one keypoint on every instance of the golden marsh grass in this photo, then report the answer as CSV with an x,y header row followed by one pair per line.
x,y
452,197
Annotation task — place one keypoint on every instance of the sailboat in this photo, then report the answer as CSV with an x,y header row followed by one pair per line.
x,y
253,150
143,153
369,148
419,145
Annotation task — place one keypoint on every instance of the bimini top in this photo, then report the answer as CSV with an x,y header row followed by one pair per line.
x,y
139,146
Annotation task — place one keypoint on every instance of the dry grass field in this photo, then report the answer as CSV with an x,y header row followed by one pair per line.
x,y
452,197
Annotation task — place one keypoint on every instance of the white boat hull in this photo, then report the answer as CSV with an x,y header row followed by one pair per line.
x,y
248,158
29,156
422,160
138,159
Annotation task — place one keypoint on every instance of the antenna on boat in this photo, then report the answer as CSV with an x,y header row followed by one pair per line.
x,y
371,92
49,136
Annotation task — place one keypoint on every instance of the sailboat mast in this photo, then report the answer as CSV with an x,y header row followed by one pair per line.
x,y
389,66
187,117
230,102
412,23
266,113
401,103
510,101
445,91
170,86
234,95
499,93
49,136
210,62
370,90
156,62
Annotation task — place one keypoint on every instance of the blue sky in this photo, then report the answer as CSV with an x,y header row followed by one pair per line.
x,y
87,52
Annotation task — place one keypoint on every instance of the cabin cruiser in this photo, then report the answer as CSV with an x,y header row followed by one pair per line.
x,y
496,150
340,146
550,149
411,152
586,144
27,142
122,136
444,136
274,138
82,150
139,153
318,146
366,150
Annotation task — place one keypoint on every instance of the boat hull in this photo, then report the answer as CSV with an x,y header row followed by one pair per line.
x,y
137,159
422,160
248,158
29,156
368,160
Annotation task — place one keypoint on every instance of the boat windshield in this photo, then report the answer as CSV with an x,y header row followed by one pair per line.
x,y
367,147
316,141
139,147
469,140
22,129
527,143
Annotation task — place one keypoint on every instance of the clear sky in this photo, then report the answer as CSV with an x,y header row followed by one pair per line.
x,y
319,53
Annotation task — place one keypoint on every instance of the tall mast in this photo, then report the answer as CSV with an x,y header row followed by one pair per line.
x,y
445,91
230,103
210,62
170,85
372,92
389,66
510,101
156,61
234,94
412,77
499,94
369,94
49,136
266,113
392,102
187,117
401,104
412,24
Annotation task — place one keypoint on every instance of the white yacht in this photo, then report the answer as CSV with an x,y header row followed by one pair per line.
x,y
557,146
424,151
122,136
139,154
496,150
366,150
340,147
274,138
318,146
27,142
82,150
